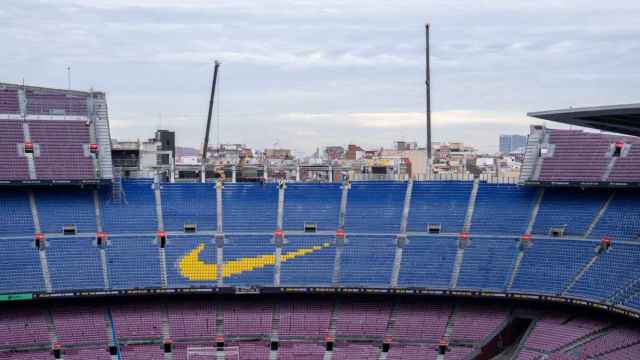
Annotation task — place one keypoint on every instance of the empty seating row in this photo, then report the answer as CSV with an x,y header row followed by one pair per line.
x,y
28,329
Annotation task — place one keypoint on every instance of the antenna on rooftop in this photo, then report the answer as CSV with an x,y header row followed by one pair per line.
x,y
69,77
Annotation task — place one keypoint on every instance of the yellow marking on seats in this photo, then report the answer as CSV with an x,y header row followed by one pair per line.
x,y
194,269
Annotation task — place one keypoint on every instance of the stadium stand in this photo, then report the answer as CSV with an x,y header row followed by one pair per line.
x,y
23,326
362,319
243,318
9,101
301,350
569,209
577,156
627,168
185,204
20,267
48,103
64,150
420,320
375,207
428,260
475,322
250,207
74,263
317,204
621,220
136,214
349,351
80,324
15,213
555,330
308,319
195,319
550,264
441,203
15,164
313,270
487,264
360,253
66,207
137,320
511,204
124,256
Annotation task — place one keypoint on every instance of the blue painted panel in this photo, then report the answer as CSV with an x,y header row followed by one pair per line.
x,y
249,246
189,204
312,203
314,269
487,264
549,265
250,207
575,208
367,261
428,262
20,269
74,263
375,207
133,262
439,202
502,209
66,207
15,213
177,248
137,212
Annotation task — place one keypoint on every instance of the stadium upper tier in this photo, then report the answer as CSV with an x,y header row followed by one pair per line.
x,y
574,156
436,235
357,327
52,135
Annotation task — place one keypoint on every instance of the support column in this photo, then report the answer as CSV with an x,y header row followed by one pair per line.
x,y
42,253
340,239
401,239
160,220
101,249
278,238
219,238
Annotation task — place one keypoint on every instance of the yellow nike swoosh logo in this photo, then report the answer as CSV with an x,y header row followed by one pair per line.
x,y
194,269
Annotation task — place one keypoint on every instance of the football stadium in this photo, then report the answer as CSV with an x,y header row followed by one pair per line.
x,y
99,267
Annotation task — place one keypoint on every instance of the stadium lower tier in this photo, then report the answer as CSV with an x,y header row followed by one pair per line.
x,y
258,327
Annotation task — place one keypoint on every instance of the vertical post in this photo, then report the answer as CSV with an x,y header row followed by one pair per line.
x,y
428,99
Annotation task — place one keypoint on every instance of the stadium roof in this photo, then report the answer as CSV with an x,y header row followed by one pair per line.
x,y
623,119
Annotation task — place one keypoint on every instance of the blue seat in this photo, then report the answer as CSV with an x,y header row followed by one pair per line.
x,y
439,202
502,209
621,221
613,270
428,262
549,265
312,203
487,264
571,208
251,248
15,213
74,263
367,261
20,269
136,214
250,207
66,207
312,269
189,204
133,262
375,207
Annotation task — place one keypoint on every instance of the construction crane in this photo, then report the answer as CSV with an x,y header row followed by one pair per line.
x,y
203,170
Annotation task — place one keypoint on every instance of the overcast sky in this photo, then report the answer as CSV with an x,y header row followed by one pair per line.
x,y
308,73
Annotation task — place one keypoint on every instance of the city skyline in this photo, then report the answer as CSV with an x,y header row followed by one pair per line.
x,y
302,74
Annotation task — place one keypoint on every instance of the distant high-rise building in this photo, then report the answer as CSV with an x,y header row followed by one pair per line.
x,y
511,143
